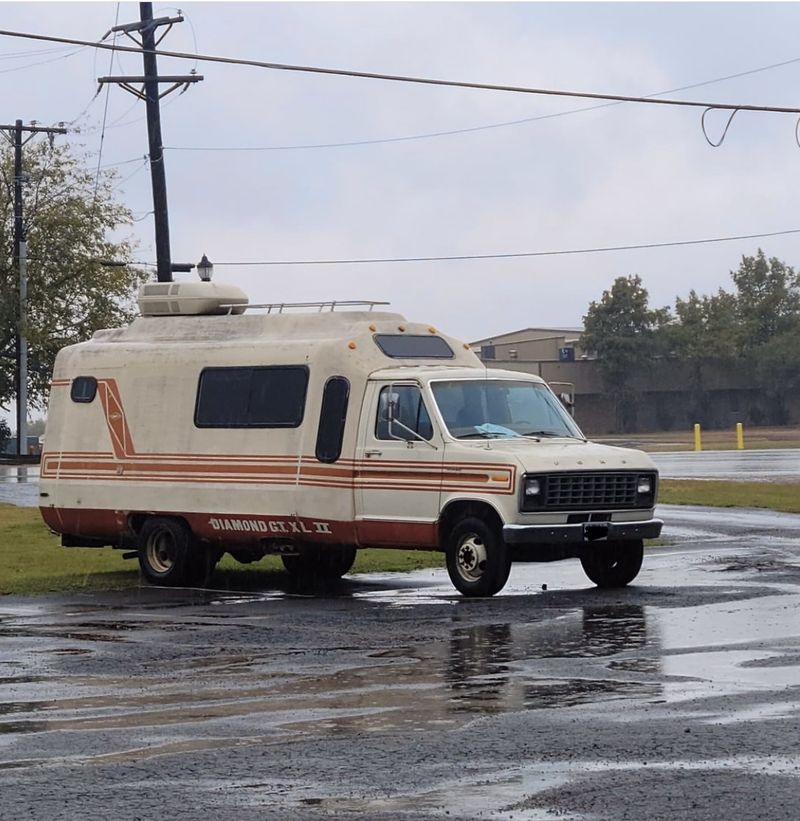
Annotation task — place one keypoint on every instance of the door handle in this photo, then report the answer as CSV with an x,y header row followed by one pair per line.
x,y
369,453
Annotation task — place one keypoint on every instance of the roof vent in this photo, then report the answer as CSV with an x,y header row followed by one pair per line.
x,y
190,299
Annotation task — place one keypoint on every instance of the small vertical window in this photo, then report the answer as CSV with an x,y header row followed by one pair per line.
x,y
332,417
84,389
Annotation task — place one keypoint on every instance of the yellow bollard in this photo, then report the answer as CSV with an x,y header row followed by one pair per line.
x,y
698,444
739,436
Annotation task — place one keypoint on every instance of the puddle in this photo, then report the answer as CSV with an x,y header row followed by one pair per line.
x,y
19,485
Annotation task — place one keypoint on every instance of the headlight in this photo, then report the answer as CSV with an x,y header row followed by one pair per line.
x,y
644,486
533,487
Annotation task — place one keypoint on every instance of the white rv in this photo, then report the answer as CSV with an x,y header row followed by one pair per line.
x,y
208,427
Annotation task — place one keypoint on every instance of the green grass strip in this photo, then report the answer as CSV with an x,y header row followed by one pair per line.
x,y
33,561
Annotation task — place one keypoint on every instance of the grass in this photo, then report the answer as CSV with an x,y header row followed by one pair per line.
x,y
665,441
33,561
772,496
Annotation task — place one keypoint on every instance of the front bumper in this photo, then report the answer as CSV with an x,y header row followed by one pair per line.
x,y
582,532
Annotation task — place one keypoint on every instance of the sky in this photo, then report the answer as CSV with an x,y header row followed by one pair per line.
x,y
622,174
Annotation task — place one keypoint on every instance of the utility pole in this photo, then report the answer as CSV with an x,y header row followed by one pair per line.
x,y
150,92
14,133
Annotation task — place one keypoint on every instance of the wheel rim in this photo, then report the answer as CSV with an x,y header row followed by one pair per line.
x,y
160,552
471,558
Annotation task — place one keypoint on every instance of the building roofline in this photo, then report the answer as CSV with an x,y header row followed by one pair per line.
x,y
525,330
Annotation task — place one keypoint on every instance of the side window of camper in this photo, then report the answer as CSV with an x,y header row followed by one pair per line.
x,y
257,397
84,389
400,410
332,418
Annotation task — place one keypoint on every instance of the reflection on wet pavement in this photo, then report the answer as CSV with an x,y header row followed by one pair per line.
x,y
778,465
19,485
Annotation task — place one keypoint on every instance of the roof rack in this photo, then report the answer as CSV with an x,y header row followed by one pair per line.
x,y
329,305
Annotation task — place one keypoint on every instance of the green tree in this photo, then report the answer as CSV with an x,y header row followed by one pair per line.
x,y
622,330
777,371
768,299
768,312
71,216
36,427
706,334
5,434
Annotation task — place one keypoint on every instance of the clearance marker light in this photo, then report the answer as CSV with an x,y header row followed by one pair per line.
x,y
373,328
351,345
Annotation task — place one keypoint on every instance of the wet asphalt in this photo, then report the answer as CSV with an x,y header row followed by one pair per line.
x,y
388,696
731,465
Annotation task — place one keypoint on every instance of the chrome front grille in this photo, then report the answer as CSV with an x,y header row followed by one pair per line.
x,y
591,490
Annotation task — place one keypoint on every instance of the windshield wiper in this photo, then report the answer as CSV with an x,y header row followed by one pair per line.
x,y
481,434
550,433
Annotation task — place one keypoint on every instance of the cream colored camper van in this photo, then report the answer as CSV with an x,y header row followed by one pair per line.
x,y
210,426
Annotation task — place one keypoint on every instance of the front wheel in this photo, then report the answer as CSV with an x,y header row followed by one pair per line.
x,y
613,564
478,560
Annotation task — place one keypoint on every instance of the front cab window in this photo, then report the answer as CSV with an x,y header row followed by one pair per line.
x,y
501,408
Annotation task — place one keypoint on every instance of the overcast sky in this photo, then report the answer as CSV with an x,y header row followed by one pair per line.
x,y
618,175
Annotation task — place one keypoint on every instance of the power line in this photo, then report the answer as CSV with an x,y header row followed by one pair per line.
x,y
399,78
41,62
485,127
105,117
510,255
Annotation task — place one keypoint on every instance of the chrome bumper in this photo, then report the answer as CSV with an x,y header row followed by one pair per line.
x,y
582,532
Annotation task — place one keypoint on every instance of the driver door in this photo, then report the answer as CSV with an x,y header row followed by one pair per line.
x,y
398,473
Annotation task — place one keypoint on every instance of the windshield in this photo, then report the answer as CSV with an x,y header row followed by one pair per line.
x,y
491,408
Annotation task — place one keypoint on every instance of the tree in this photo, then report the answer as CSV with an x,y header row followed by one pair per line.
x,y
768,299
768,311
5,434
621,329
37,427
70,213
706,333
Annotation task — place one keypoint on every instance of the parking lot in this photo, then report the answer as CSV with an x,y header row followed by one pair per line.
x,y
388,696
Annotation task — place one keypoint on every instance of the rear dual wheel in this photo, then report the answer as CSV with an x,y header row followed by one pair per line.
x,y
324,563
478,560
613,564
169,554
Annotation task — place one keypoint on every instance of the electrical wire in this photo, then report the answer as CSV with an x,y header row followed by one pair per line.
x,y
105,116
21,55
724,131
398,78
132,174
511,255
42,62
485,126
125,162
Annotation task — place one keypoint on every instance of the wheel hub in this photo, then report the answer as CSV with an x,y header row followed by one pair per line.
x,y
161,553
471,558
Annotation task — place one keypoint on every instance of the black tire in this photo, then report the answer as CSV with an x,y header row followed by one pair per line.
x,y
169,555
324,563
478,560
613,564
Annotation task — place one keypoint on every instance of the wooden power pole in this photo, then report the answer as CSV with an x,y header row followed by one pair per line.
x,y
149,90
